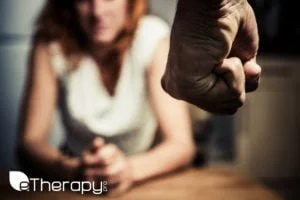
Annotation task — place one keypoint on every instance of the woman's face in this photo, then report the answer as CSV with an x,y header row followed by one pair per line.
x,y
101,20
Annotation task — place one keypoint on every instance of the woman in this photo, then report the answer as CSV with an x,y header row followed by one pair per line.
x,y
101,61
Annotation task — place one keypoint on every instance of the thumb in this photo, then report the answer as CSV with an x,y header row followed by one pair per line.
x,y
252,74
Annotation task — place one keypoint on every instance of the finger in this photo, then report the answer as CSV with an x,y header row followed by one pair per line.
x,y
252,74
73,166
228,106
104,156
113,170
252,69
110,173
108,154
236,102
232,71
91,174
89,156
116,177
113,174
90,159
97,143
222,100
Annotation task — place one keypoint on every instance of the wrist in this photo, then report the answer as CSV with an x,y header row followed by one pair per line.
x,y
138,170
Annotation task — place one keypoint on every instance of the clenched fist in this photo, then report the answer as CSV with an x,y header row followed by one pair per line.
x,y
212,58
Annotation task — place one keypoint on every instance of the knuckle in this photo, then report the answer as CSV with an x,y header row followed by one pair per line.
x,y
241,100
236,91
238,102
235,104
236,62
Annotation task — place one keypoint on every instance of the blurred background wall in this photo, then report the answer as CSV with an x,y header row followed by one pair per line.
x,y
16,19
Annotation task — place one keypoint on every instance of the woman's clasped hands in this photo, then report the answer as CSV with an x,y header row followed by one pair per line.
x,y
106,162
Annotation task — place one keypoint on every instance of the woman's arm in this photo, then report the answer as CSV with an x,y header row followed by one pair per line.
x,y
35,153
177,148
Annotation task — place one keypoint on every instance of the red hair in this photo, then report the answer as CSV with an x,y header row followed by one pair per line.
x,y
58,22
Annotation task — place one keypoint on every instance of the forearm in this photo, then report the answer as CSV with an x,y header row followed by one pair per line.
x,y
164,158
43,160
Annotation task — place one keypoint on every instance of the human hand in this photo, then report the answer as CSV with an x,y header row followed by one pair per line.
x,y
69,168
205,34
106,162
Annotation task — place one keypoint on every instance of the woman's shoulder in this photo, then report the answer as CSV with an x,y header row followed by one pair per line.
x,y
55,55
151,25
152,19
151,30
51,48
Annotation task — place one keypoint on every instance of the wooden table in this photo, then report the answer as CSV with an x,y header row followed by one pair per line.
x,y
191,184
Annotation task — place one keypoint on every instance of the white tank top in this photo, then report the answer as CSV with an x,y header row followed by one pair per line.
x,y
88,110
